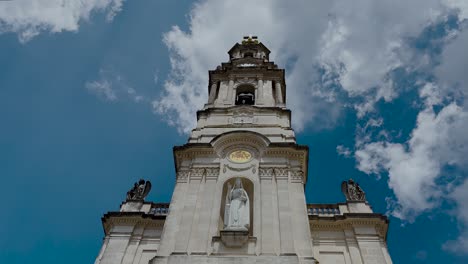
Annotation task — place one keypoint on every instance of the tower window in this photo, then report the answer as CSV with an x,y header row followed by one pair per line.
x,y
248,55
245,95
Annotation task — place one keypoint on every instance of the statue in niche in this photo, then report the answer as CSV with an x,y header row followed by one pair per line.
x,y
352,191
139,191
237,208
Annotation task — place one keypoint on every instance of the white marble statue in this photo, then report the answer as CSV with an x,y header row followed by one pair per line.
x,y
237,209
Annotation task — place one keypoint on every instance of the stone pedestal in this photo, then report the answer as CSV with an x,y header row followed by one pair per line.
x,y
234,238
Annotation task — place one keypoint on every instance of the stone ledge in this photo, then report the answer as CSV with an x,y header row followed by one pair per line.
x,y
234,238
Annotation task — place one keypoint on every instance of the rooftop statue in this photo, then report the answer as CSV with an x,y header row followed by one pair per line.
x,y
139,191
352,191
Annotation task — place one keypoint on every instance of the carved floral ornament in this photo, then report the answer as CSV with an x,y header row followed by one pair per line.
x,y
294,175
197,173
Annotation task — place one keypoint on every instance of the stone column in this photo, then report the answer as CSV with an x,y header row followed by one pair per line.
x,y
214,87
228,99
185,227
200,235
173,220
278,93
259,99
267,239
300,221
286,235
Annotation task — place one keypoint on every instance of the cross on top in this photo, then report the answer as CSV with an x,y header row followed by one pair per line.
x,y
250,39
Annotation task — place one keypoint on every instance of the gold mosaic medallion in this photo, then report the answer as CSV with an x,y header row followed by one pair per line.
x,y
240,156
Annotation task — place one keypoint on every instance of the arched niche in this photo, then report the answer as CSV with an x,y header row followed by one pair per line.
x,y
248,186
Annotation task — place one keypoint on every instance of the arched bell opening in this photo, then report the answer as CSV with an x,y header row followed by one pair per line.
x,y
245,95
226,201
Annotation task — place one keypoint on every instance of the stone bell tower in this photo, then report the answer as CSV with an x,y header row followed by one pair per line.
x,y
239,193
243,132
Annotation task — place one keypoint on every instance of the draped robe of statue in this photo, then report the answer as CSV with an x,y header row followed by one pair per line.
x,y
237,209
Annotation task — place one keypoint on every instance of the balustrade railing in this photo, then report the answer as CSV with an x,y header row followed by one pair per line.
x,y
323,209
159,209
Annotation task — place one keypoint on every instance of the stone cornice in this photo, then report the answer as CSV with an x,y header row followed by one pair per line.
x,y
253,108
111,219
350,220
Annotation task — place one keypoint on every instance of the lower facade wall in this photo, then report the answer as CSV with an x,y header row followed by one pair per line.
x,y
348,246
129,245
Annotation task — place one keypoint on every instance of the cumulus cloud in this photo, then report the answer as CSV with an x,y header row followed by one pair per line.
x,y
439,140
414,167
332,49
29,18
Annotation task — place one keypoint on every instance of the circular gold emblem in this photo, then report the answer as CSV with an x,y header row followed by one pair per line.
x,y
240,156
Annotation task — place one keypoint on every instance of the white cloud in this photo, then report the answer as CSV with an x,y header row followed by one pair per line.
x,y
333,47
460,196
414,167
452,72
343,151
29,18
102,89
112,87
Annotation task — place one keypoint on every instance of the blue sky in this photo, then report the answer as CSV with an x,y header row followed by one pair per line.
x,y
93,96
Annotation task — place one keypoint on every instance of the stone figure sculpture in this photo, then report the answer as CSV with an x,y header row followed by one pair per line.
x,y
352,191
237,208
139,191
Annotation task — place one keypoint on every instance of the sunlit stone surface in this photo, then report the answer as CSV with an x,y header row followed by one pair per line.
x,y
239,194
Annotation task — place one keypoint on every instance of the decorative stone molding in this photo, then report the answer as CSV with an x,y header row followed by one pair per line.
x,y
197,173
281,173
191,153
245,81
227,166
291,154
137,220
212,173
242,117
182,175
266,172
297,176
240,139
349,223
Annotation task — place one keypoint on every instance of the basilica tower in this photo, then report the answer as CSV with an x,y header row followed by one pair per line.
x,y
239,193
242,132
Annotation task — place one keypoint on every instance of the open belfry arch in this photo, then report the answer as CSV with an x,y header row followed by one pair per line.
x,y
239,193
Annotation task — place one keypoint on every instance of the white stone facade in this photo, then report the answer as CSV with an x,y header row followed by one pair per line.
x,y
245,112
